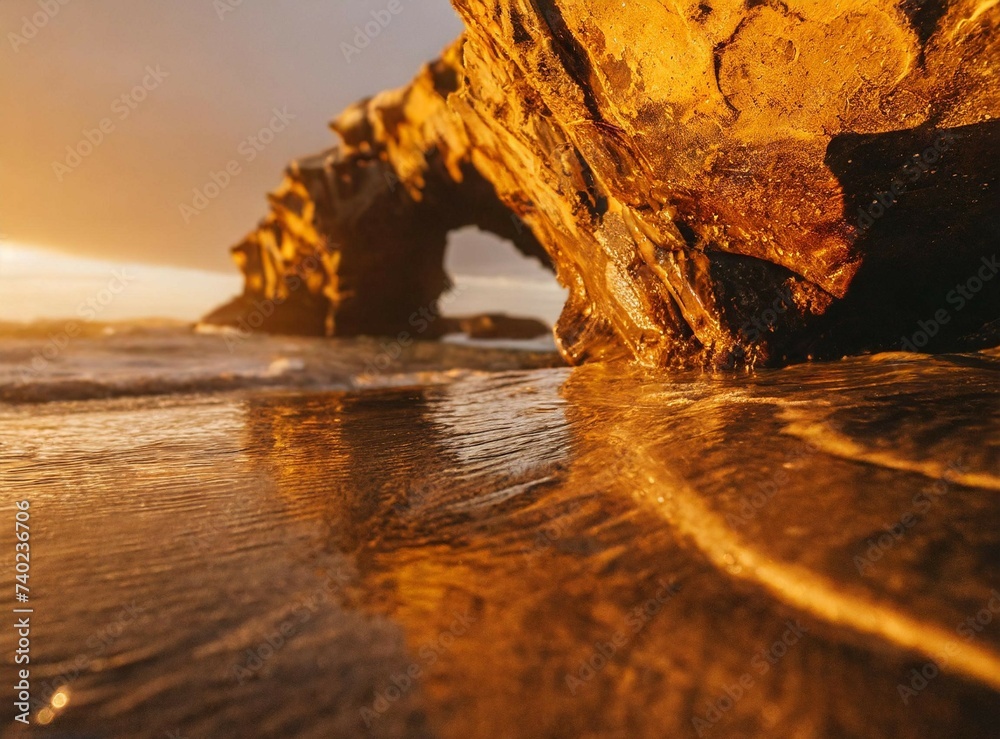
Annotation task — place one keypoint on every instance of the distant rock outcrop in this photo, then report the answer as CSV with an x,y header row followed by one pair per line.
x,y
717,183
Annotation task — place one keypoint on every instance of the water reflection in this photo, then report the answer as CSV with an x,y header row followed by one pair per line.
x,y
540,511
547,553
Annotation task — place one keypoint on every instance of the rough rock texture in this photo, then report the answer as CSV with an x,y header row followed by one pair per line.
x,y
717,183
355,240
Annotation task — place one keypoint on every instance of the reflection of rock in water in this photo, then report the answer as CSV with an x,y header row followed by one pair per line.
x,y
395,455
728,468
527,554
636,559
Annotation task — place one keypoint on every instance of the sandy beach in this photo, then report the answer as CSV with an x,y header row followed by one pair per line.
x,y
502,551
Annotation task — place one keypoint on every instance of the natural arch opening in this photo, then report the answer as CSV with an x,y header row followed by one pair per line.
x,y
498,292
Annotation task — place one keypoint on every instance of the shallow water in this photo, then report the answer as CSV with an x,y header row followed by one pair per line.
x,y
503,552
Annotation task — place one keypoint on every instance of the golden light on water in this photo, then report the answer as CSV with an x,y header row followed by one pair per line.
x,y
60,699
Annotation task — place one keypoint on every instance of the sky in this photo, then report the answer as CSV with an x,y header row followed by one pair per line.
x,y
108,290
114,113
180,87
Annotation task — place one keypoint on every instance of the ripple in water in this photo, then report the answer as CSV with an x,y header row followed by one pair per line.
x,y
512,552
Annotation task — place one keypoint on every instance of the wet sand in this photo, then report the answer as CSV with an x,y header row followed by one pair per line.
x,y
513,552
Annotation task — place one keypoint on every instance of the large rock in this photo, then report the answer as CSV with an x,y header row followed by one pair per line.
x,y
717,183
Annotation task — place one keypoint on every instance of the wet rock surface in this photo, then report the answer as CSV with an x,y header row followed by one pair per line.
x,y
720,183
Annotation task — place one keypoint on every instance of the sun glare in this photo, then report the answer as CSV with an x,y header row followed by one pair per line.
x,y
39,284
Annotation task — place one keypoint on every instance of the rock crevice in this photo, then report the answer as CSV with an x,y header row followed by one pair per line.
x,y
717,184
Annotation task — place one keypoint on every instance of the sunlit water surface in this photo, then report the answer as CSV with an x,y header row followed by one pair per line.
x,y
269,540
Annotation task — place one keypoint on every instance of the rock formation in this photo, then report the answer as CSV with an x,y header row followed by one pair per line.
x,y
717,183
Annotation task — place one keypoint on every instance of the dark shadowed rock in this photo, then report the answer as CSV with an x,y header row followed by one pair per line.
x,y
725,183
500,326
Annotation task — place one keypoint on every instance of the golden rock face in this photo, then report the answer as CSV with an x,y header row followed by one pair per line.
x,y
718,183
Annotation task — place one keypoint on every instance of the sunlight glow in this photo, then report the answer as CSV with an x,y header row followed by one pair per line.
x,y
60,699
38,284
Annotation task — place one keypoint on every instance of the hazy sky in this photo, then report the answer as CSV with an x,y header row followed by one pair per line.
x,y
212,82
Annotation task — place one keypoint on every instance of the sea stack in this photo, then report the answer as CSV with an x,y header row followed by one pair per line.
x,y
720,184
